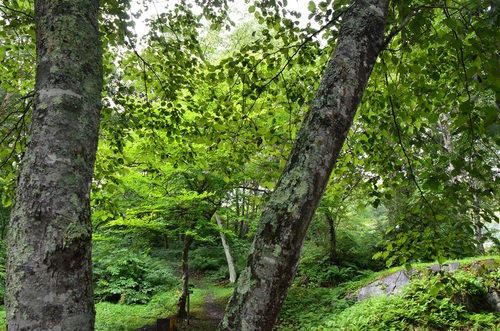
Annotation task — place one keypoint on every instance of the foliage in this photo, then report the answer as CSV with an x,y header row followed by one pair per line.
x,y
305,308
445,301
210,261
317,271
356,238
3,325
432,127
432,301
203,119
116,317
127,277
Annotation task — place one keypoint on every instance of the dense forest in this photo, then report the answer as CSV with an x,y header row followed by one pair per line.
x,y
249,165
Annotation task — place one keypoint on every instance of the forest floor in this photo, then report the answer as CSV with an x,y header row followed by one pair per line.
x,y
206,319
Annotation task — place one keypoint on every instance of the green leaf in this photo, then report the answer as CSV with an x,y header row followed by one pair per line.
x,y
493,129
441,259
311,6
251,9
434,290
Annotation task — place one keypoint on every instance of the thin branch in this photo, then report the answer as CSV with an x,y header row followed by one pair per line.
x,y
299,47
405,22
16,11
407,157
146,64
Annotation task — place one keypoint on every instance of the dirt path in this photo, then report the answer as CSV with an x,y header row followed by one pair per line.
x,y
213,313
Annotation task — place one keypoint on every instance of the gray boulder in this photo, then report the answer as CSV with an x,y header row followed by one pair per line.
x,y
388,285
394,283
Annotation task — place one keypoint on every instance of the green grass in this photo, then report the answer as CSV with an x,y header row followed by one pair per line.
x,y
117,317
130,317
3,327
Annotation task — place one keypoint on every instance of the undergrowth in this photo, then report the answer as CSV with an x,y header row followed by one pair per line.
x,y
120,317
431,302
452,301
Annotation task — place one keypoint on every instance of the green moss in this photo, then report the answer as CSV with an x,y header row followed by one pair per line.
x,y
245,281
277,251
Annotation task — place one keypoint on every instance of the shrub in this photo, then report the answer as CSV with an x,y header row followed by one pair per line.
x,y
305,308
432,302
210,260
314,271
122,276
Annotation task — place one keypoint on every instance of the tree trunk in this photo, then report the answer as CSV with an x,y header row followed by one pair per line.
x,y
478,225
49,276
275,253
333,257
227,251
181,305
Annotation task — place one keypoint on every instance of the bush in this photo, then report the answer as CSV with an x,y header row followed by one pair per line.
x,y
306,308
122,276
432,302
315,270
211,260
206,258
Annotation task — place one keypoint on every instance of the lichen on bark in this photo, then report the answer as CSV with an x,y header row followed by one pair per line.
x,y
275,254
49,285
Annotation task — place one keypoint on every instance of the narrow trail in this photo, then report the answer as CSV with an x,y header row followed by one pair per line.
x,y
213,311
208,321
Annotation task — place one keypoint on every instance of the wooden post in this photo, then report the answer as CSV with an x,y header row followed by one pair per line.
x,y
166,324
173,324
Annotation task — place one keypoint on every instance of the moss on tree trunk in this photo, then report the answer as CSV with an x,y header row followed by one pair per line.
x,y
49,276
273,260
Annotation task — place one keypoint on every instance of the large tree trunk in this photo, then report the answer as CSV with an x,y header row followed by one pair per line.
x,y
49,276
275,253
227,251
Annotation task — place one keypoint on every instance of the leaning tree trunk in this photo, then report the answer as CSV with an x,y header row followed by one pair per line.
x,y
49,276
227,251
275,253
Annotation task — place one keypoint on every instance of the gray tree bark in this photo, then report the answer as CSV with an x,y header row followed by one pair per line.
x,y
227,251
49,276
275,253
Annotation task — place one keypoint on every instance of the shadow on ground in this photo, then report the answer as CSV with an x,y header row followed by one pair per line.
x,y
212,315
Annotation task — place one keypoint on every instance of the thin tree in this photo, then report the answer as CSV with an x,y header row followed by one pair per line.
x,y
227,250
49,276
275,253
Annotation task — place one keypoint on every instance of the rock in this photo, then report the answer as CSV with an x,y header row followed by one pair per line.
x,y
387,285
493,299
445,267
393,283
